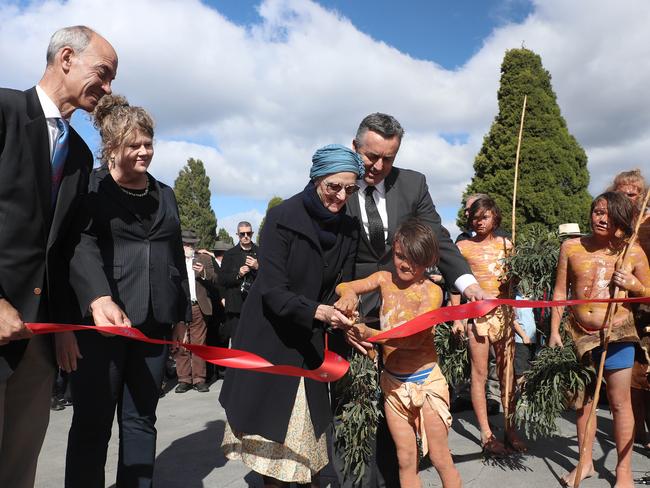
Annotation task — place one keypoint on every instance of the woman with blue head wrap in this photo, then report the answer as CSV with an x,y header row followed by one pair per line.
x,y
277,424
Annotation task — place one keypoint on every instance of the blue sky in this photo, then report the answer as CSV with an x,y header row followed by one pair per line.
x,y
254,87
447,33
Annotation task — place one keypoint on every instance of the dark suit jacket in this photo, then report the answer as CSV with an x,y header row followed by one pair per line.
x,y
407,195
115,255
277,322
33,251
233,259
206,283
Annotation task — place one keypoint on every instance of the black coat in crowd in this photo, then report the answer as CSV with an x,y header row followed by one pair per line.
x,y
277,322
230,281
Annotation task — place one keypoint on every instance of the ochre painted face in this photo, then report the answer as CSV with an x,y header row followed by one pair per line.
x,y
630,191
91,73
600,224
334,201
134,156
407,272
378,154
483,224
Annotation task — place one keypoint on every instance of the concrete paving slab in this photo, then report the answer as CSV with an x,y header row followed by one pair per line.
x,y
191,426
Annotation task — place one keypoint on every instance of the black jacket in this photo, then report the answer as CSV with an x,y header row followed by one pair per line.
x,y
229,279
407,195
33,250
115,255
277,323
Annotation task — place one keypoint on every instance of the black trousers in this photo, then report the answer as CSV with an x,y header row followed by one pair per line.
x,y
120,373
228,328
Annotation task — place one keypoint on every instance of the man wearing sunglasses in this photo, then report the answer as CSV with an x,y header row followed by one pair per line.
x,y
238,271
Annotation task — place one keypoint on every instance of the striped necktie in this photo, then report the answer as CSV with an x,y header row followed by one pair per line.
x,y
59,155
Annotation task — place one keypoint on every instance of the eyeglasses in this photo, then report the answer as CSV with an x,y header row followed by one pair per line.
x,y
334,188
246,234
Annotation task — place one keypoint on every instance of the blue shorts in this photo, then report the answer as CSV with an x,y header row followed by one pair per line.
x,y
620,355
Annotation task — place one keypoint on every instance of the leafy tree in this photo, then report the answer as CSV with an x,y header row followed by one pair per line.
x,y
192,188
224,236
553,174
272,203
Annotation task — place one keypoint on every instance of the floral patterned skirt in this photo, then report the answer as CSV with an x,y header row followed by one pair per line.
x,y
295,460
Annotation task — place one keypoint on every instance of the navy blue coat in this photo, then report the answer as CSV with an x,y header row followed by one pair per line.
x,y
277,322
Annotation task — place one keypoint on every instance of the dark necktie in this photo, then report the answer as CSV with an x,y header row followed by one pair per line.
x,y
375,224
59,155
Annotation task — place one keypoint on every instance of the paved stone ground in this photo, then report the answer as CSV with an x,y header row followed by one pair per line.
x,y
190,429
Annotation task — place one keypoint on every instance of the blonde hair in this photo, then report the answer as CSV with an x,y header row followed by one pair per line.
x,y
117,121
632,177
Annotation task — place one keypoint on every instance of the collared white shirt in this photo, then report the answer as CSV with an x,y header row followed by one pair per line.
x,y
51,112
190,277
379,195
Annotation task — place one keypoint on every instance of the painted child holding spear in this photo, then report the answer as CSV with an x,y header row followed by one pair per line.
x,y
416,395
588,268
485,253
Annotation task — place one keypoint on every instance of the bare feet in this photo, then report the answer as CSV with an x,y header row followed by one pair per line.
x,y
569,478
624,478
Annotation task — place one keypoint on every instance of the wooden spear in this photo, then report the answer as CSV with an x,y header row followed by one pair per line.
x,y
510,338
610,312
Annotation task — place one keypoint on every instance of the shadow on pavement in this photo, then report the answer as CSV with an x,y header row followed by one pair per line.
x,y
190,459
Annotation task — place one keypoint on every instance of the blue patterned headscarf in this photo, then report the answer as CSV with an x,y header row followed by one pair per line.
x,y
335,158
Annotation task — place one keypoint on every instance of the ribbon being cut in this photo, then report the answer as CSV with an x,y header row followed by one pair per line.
x,y
334,366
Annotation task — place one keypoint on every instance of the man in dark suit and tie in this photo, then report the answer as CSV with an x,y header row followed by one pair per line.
x,y
389,195
44,168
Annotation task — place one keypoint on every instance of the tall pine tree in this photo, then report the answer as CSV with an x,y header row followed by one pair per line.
x,y
223,235
553,174
192,188
272,203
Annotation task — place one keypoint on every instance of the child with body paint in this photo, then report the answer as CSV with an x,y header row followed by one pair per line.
x,y
416,396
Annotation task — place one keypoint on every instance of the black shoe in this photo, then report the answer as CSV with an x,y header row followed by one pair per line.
x,y
493,407
55,405
202,387
183,387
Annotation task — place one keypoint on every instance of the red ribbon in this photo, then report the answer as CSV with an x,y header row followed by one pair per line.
x,y
334,366
473,310
332,369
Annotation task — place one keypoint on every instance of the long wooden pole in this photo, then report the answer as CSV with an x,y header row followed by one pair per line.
x,y
610,312
514,190
509,337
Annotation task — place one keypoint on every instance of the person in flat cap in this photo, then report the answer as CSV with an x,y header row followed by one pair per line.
x,y
217,335
190,368
309,247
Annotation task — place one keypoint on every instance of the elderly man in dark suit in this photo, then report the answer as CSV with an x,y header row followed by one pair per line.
x,y
44,168
389,195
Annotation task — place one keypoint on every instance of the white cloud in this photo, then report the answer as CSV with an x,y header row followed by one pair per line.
x,y
255,103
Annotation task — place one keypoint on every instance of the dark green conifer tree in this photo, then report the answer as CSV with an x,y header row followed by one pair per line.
x,y
272,203
192,189
553,176
224,236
